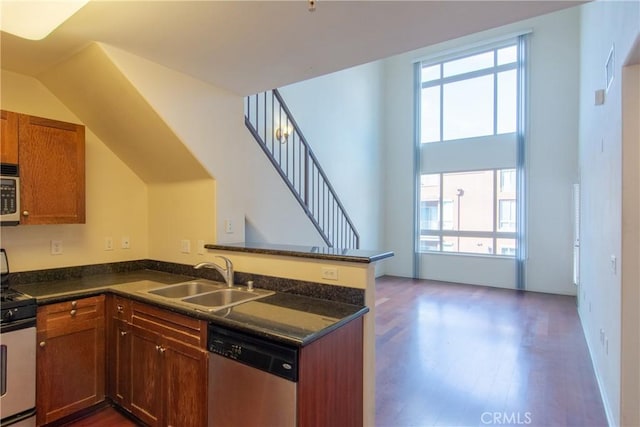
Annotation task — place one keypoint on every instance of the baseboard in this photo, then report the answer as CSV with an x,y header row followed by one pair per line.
x,y
603,394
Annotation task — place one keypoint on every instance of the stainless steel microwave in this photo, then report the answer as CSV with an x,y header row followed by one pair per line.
x,y
9,194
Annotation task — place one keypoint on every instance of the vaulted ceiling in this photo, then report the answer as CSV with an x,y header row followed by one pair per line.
x,y
250,46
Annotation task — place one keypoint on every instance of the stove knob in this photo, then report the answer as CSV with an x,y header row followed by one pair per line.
x,y
8,315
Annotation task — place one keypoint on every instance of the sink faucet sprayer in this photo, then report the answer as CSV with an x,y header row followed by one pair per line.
x,y
227,272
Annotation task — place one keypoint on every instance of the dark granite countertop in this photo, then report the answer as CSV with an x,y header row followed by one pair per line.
x,y
288,318
312,252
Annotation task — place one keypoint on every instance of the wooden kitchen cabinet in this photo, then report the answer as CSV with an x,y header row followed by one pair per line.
x,y
9,137
158,364
51,157
330,383
70,359
119,350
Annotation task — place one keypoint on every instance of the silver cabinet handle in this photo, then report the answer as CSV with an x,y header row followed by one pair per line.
x,y
123,333
42,344
25,213
120,308
74,304
162,350
73,312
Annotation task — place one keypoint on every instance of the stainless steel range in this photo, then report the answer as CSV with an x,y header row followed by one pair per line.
x,y
17,354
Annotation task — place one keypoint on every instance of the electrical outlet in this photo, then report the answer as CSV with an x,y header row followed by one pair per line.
x,y
185,246
228,226
125,242
201,249
329,273
56,247
108,243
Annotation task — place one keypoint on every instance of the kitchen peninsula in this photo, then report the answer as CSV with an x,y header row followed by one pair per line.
x,y
339,278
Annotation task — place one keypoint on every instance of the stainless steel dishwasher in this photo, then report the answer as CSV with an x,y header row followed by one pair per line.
x,y
252,381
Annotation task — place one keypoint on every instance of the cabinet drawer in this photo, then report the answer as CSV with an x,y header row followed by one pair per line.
x,y
66,314
119,308
169,324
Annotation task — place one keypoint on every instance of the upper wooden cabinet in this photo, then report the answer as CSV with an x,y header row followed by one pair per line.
x,y
9,137
51,157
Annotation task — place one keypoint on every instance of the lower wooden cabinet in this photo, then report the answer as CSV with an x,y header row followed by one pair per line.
x,y
119,350
155,365
158,364
70,357
330,383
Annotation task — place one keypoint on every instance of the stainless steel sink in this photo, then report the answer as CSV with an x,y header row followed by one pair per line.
x,y
226,298
207,295
187,289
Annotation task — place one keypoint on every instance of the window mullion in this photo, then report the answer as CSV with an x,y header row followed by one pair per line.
x,y
495,209
441,108
441,213
495,94
467,76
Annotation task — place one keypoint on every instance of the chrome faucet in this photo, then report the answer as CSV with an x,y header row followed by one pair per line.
x,y
227,271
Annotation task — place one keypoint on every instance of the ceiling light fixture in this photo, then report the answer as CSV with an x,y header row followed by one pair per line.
x,y
312,5
35,20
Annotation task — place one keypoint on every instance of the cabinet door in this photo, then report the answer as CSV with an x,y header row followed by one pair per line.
x,y
146,376
70,360
52,171
119,350
186,384
119,363
330,377
9,137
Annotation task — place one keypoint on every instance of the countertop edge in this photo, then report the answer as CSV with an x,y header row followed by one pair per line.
x,y
314,252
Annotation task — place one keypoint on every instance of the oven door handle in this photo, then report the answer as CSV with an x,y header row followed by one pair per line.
x,y
17,324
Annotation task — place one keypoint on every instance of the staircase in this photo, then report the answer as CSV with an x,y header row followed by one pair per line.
x,y
270,122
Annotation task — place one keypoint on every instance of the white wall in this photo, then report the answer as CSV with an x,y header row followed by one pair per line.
x,y
603,25
551,152
210,122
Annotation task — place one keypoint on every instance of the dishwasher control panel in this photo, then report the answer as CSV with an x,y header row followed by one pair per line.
x,y
259,353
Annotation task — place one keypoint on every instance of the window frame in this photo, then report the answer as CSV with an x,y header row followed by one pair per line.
x,y
442,232
495,70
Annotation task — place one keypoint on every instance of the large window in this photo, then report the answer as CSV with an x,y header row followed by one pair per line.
x,y
477,215
467,146
470,97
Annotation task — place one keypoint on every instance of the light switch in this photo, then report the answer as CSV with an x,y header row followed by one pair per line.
x,y
614,264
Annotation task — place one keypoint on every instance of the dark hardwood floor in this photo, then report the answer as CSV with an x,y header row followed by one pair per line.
x,y
457,355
